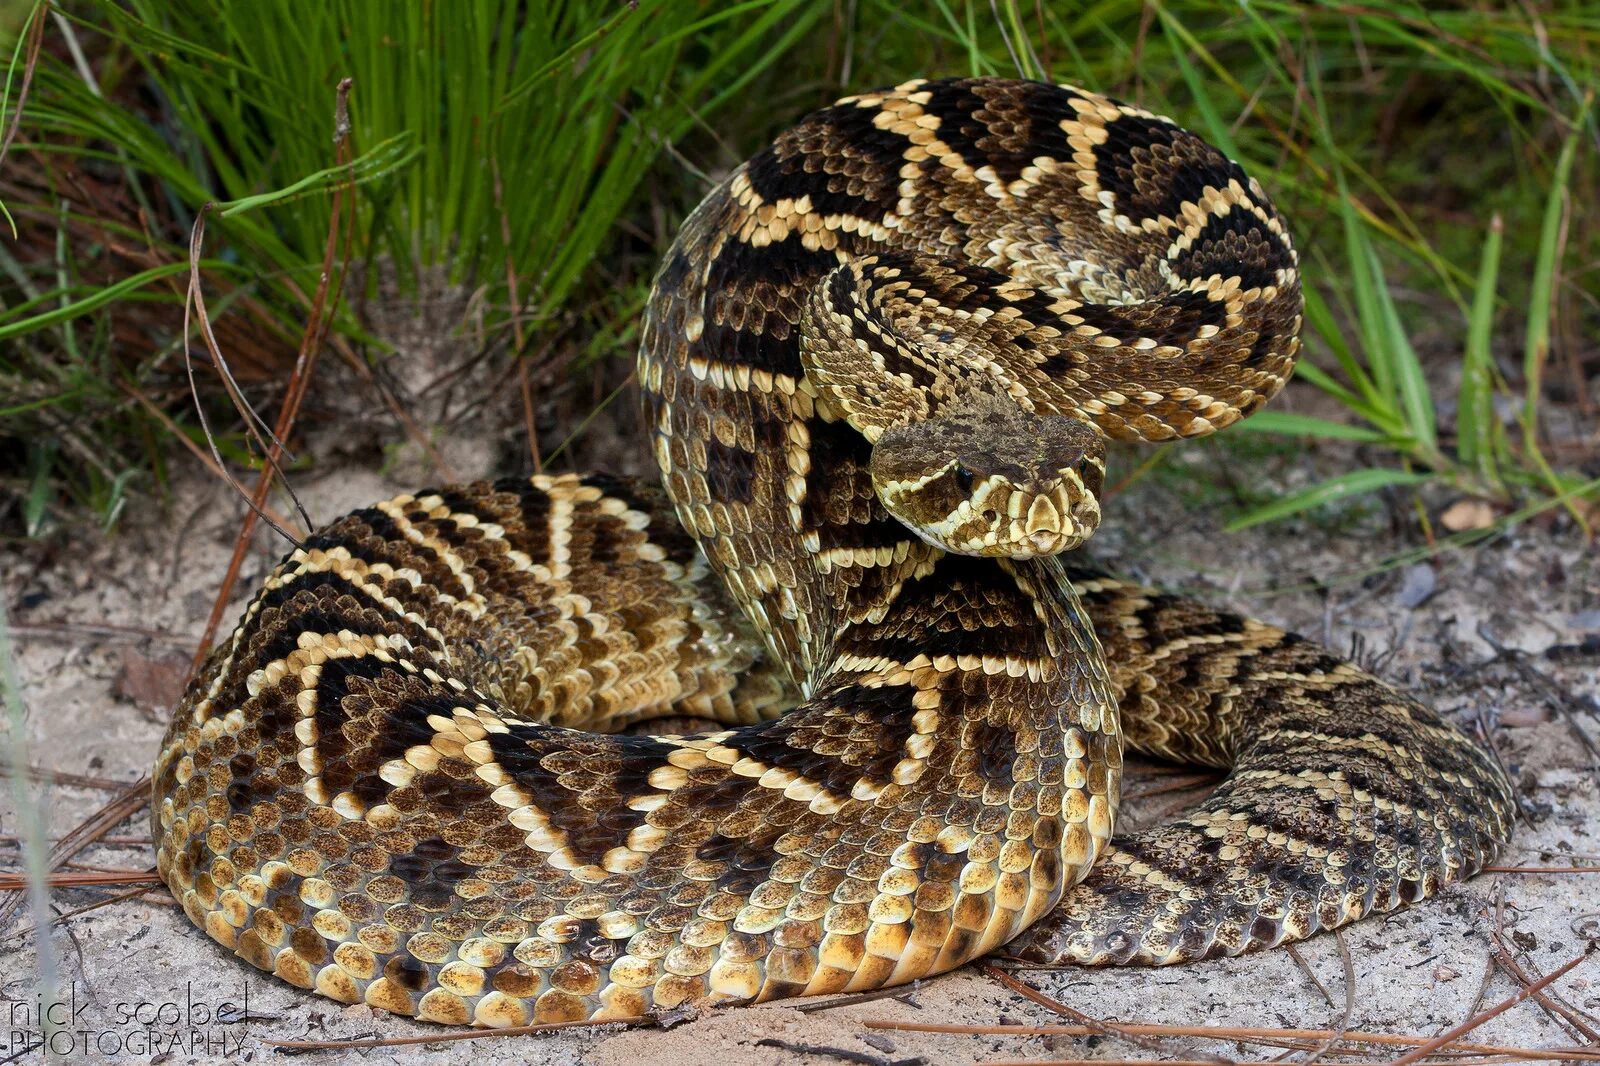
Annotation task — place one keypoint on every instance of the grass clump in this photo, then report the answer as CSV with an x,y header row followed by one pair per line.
x,y
1430,158
497,144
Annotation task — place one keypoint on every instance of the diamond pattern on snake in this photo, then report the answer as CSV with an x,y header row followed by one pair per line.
x,y
880,365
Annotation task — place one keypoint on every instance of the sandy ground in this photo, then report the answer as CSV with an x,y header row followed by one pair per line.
x,y
105,626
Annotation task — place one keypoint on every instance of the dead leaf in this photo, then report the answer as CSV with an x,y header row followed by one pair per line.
x,y
1467,514
153,684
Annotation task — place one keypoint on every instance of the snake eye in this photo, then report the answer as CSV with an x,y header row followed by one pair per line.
x,y
963,477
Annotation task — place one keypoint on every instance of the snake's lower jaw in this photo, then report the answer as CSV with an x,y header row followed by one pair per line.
x,y
1044,543
1041,543
1023,545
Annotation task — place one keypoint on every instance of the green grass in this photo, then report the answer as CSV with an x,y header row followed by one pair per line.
x,y
497,145
1431,159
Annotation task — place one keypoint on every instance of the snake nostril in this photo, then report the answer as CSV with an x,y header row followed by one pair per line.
x,y
990,514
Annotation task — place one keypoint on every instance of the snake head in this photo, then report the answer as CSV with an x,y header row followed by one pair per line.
x,y
984,477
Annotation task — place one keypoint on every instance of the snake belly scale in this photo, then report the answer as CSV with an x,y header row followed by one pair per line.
x,y
878,366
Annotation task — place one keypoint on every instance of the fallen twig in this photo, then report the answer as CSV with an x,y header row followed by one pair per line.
x,y
35,41
443,1037
1242,1034
1101,1028
1476,1020
861,1057
1560,1013
1333,1038
311,342
811,1006
110,815
15,882
40,775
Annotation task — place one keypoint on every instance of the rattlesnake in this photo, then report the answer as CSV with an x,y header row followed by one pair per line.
x,y
878,365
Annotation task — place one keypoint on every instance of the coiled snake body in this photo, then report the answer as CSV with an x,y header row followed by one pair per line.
x,y
871,365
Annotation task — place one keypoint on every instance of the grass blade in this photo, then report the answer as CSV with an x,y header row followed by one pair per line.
x,y
1475,421
1355,483
1541,294
1410,385
1289,424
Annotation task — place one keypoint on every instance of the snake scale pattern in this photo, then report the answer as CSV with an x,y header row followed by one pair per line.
x,y
879,365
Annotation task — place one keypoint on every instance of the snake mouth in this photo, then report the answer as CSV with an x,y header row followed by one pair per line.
x,y
1048,543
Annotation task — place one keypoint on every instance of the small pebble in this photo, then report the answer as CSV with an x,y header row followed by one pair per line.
x,y
1417,586
1524,715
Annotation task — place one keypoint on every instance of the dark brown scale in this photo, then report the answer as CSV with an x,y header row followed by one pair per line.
x,y
1237,244
789,747
838,158
1171,321
1152,168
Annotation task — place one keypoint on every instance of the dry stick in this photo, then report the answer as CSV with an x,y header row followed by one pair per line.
x,y
447,1037
277,520
196,302
1115,1029
15,882
811,1006
110,842
35,40
1556,697
516,317
253,424
1552,1004
1484,983
165,899
40,774
1476,1020
1540,870
1558,1055
1322,1049
1299,960
1495,911
299,382
91,829
861,1058
90,867
77,630
1559,1012
1441,1060
1240,1033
